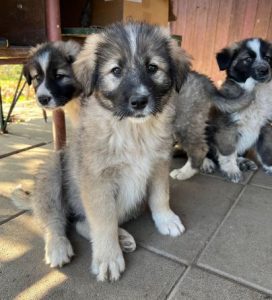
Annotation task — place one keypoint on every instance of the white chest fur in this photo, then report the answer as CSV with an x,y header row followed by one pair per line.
x,y
128,151
254,117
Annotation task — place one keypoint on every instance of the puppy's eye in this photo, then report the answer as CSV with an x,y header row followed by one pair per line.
x,y
37,77
116,71
267,58
248,60
59,76
151,69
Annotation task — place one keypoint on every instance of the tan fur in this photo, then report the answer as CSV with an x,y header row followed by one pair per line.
x,y
113,163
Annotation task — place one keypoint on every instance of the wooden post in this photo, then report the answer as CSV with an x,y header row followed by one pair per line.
x,y
53,28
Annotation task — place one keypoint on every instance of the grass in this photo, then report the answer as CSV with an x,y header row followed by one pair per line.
x,y
9,76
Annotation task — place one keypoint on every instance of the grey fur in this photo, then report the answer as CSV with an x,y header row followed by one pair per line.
x,y
235,119
202,121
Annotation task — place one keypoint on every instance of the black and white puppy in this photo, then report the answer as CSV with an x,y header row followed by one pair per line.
x,y
250,59
49,70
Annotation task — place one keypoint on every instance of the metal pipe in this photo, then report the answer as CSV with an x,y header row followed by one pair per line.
x,y
53,30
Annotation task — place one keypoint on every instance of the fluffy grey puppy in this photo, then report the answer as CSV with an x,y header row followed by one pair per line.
x,y
201,123
120,153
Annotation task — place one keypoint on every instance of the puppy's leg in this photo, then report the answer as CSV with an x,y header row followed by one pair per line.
x,y
196,155
100,208
50,211
229,167
126,240
166,221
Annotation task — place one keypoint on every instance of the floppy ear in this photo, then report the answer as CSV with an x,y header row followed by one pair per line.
x,y
181,64
26,73
85,65
224,58
70,49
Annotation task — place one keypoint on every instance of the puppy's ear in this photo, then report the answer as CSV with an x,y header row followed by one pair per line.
x,y
181,64
70,49
85,65
27,75
224,58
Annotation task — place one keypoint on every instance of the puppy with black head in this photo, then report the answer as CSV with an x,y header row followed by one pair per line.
x,y
224,123
120,156
247,61
49,70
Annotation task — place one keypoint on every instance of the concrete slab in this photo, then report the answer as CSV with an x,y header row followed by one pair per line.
x,y
36,128
242,248
24,275
7,209
10,143
201,203
198,284
262,179
20,168
177,163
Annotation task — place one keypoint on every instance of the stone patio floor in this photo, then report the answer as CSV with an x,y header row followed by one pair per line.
x,y
225,253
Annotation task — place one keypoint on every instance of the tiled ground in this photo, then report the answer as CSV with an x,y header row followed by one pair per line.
x,y
225,253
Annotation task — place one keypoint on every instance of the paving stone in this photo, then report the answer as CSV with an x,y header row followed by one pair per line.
x,y
262,179
243,246
177,163
20,168
36,128
201,203
10,143
198,284
7,209
24,275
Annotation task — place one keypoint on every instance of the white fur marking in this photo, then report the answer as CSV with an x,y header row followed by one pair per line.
x,y
248,85
255,45
43,61
185,172
132,34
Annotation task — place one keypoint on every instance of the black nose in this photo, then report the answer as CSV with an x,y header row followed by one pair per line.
x,y
138,102
262,71
44,100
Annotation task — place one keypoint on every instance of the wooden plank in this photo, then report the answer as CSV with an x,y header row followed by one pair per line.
x,y
262,18
237,20
208,47
15,52
222,32
249,19
200,32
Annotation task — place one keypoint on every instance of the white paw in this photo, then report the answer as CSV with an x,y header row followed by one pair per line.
x,y
182,174
108,266
208,166
126,240
168,223
58,251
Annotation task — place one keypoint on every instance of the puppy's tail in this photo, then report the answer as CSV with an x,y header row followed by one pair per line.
x,y
21,199
231,97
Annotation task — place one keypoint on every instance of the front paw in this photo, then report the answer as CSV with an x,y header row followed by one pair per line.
x,y
168,223
58,251
234,177
108,266
183,173
246,164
